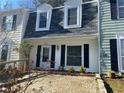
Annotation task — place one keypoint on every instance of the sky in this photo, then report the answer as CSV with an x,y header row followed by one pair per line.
x,y
14,4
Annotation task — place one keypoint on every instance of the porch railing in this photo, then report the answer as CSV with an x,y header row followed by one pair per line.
x,y
18,64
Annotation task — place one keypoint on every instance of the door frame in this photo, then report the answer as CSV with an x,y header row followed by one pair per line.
x,y
45,46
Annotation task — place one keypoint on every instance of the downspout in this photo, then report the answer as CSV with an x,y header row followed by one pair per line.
x,y
99,32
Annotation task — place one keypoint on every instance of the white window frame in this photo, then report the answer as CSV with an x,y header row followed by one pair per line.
x,y
119,53
118,10
7,22
79,16
49,13
82,62
9,50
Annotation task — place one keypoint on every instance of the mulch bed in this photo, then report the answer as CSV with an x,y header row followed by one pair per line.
x,y
76,73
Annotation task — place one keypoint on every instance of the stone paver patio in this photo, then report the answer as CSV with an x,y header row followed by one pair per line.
x,y
63,84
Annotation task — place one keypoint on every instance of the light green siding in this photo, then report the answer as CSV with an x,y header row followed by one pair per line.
x,y
109,28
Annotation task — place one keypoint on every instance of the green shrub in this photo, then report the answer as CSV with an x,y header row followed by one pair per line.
x,y
82,70
61,68
71,70
111,74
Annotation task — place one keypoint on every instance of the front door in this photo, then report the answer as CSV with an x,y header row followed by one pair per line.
x,y
46,56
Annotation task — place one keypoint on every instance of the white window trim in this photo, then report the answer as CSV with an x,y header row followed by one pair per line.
x,y
119,53
49,14
10,29
79,16
9,50
82,63
118,16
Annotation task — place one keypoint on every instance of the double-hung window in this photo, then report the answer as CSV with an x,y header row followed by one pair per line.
x,y
74,56
44,14
9,22
43,20
72,17
121,8
4,53
72,14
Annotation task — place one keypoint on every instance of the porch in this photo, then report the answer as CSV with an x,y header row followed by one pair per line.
x,y
66,52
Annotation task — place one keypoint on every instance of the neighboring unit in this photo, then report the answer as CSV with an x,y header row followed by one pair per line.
x,y
67,36
112,35
12,28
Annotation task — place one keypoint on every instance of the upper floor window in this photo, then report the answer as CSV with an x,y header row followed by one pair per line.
x,y
121,8
9,23
44,13
72,15
43,20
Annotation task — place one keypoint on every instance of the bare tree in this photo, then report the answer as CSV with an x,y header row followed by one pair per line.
x,y
3,33
54,3
29,4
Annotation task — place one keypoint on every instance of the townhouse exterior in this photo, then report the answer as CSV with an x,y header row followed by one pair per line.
x,y
12,28
111,35
67,36
86,33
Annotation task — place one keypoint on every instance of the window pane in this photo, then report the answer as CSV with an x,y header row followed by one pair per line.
x,y
45,54
72,16
86,0
121,2
4,53
43,20
74,56
8,26
121,12
4,22
8,23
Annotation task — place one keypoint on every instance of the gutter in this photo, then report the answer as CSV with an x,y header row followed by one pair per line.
x,y
99,31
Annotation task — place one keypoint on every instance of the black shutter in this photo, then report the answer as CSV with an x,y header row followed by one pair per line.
x,y
62,55
86,55
53,56
3,23
114,55
113,4
38,56
14,22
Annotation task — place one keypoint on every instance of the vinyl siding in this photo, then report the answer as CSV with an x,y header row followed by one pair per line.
x,y
15,36
109,29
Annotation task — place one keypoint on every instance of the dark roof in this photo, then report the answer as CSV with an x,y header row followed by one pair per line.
x,y
89,23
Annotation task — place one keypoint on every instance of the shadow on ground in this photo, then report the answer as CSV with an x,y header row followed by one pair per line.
x,y
108,87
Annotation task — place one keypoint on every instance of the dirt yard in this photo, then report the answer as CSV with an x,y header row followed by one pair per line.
x,y
114,85
63,84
